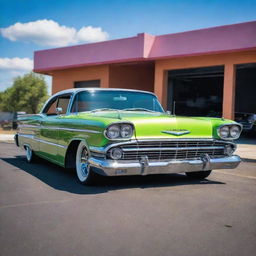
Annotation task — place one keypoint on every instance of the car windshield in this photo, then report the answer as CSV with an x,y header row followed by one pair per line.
x,y
115,100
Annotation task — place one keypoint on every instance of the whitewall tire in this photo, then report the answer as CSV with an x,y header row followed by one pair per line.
x,y
84,171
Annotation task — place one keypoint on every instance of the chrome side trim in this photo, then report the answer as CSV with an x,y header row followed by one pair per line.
x,y
31,136
69,129
50,143
57,128
28,126
78,130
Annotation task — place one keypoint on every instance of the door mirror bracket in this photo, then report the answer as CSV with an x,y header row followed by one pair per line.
x,y
58,110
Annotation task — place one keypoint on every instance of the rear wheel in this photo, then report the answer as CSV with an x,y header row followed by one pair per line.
x,y
84,171
198,175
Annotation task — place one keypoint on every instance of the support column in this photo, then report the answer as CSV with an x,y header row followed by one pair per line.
x,y
228,107
160,85
105,77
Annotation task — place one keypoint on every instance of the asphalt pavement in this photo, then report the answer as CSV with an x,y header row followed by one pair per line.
x,y
45,211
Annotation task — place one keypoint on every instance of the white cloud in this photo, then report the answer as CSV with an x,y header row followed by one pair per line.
x,y
91,34
16,64
50,33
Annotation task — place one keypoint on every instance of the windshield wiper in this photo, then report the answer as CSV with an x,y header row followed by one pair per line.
x,y
138,109
104,109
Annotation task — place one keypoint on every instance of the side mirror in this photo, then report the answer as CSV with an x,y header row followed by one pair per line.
x,y
58,110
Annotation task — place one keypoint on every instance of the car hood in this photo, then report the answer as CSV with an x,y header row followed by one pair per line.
x,y
160,125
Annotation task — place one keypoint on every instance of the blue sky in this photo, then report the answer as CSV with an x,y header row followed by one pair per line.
x,y
46,24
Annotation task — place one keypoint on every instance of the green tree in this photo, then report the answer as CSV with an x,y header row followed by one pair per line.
x,y
1,100
27,93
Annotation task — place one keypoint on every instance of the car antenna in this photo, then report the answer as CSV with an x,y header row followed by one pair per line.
x,y
174,106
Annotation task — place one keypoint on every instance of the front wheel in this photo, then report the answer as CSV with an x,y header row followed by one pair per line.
x,y
198,175
84,171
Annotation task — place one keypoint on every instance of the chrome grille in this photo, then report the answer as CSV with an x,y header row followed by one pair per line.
x,y
171,150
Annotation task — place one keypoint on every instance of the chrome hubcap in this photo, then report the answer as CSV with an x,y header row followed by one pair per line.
x,y
83,162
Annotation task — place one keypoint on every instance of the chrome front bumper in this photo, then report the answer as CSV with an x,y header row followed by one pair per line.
x,y
144,167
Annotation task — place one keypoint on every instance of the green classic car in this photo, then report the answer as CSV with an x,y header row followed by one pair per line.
x,y
125,132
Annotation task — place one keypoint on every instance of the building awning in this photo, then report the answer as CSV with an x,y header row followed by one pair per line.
x,y
143,47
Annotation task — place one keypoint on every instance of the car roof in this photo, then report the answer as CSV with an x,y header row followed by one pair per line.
x,y
75,90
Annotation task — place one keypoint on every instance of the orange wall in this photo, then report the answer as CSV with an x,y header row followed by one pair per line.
x,y
137,76
64,79
153,77
227,59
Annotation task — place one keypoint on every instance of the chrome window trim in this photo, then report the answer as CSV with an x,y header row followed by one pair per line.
x,y
74,92
77,91
53,98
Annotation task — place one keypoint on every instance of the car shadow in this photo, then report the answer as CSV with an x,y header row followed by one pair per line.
x,y
249,160
65,179
246,140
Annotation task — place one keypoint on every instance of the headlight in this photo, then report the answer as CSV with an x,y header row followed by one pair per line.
x,y
235,131
126,131
119,131
229,132
113,132
224,131
116,153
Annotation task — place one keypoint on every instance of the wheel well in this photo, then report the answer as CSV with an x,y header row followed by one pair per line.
x,y
70,159
25,146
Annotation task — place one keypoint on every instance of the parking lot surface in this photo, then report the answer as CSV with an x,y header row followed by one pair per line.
x,y
45,211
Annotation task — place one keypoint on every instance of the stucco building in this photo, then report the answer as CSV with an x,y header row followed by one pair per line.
x,y
202,72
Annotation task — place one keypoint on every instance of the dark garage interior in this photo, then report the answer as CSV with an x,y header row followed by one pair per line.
x,y
246,88
196,91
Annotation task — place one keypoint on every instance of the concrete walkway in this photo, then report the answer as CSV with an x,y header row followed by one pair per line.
x,y
246,151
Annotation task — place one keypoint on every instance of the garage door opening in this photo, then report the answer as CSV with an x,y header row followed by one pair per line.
x,y
196,91
86,84
245,88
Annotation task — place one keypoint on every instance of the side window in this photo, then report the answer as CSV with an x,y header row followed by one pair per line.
x,y
58,102
63,103
50,108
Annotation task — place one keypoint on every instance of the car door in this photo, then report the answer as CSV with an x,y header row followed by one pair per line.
x,y
49,130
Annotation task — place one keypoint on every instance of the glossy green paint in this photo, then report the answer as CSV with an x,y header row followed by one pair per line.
x,y
60,130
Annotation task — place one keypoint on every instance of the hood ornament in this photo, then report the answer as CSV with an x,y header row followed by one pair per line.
x,y
177,132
